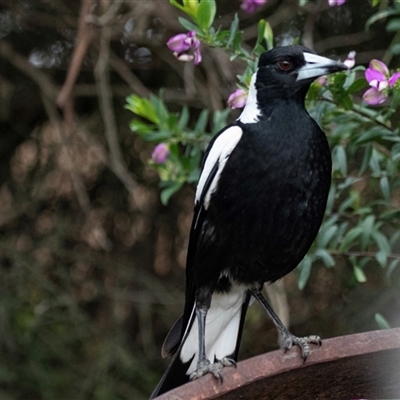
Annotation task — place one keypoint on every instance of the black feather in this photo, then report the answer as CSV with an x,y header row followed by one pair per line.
x,y
259,209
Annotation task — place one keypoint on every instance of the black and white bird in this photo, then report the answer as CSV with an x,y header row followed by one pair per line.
x,y
259,204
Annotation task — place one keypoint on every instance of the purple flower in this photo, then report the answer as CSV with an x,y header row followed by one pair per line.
x,y
186,47
237,99
179,43
394,78
160,153
250,6
333,3
378,77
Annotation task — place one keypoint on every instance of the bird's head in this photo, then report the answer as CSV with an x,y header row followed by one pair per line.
x,y
286,73
289,68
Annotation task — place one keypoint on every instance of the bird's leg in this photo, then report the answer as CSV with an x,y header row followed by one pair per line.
x,y
287,340
204,366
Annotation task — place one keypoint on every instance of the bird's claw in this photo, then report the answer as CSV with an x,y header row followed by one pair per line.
x,y
205,367
288,340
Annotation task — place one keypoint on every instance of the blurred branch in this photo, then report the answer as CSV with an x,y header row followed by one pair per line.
x,y
372,254
128,76
49,94
343,40
107,110
107,17
213,93
84,37
45,84
77,181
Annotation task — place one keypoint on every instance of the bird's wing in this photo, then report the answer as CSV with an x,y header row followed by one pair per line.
x,y
214,161
215,158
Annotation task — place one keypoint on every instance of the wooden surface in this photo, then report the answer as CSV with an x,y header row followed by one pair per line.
x,y
361,366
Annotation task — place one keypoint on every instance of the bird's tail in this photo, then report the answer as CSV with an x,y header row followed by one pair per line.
x,y
224,326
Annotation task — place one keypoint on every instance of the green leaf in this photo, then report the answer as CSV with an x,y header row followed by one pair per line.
x,y
234,28
260,31
395,236
177,5
331,198
188,25
326,258
140,127
339,235
351,201
393,25
385,187
345,101
357,85
374,163
381,321
325,237
193,175
220,120
382,241
367,228
380,15
390,215
381,258
340,158
183,118
359,274
159,108
305,269
350,237
142,107
157,136
392,266
366,158
189,7
206,14
169,191
237,41
201,123
268,36
395,151
395,49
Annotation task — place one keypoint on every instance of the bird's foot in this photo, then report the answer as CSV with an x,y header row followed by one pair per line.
x,y
205,367
288,340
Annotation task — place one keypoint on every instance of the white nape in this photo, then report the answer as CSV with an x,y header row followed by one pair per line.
x,y
222,328
251,112
219,153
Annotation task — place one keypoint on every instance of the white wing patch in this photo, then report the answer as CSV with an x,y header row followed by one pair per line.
x,y
222,327
219,153
251,112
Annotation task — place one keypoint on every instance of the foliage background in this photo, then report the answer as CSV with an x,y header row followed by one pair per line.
x,y
91,262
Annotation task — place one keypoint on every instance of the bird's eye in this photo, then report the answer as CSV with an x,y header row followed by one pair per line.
x,y
284,65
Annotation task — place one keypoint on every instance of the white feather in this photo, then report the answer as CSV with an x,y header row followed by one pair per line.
x,y
251,112
222,327
219,153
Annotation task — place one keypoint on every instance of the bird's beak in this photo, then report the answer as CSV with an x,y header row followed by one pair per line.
x,y
317,66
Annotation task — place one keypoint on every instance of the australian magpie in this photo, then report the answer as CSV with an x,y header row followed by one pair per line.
x,y
259,204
